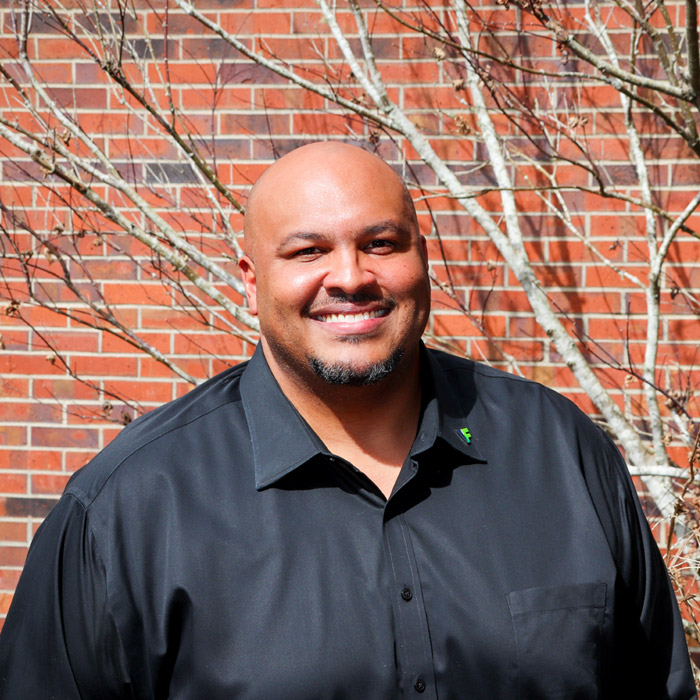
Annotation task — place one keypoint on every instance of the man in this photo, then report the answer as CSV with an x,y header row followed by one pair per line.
x,y
348,515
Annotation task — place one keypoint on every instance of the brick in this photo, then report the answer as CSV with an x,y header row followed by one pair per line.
x,y
29,412
454,325
617,328
62,389
138,293
155,392
11,531
62,48
78,340
471,275
419,73
111,433
79,98
17,507
127,317
550,375
11,556
77,460
197,368
104,366
40,317
9,458
493,324
13,483
205,98
605,277
13,435
588,302
142,148
525,326
88,414
5,600
65,437
49,483
242,73
117,344
486,350
582,401
206,343
556,276
683,329
14,340
220,365
325,123
269,23
523,350
205,48
682,277
43,460
168,319
178,24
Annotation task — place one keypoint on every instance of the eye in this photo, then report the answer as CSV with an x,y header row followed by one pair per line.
x,y
381,245
307,253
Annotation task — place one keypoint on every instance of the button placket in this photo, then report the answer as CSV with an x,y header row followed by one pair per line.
x,y
413,648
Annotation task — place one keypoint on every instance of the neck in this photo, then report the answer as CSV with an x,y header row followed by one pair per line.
x,y
372,427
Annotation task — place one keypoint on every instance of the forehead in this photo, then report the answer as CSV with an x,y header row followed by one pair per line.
x,y
327,197
310,236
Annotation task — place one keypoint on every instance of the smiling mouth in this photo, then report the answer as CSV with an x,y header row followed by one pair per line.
x,y
351,318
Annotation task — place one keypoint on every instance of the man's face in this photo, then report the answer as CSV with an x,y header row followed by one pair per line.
x,y
338,277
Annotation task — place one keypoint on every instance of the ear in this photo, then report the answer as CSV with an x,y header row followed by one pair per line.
x,y
250,283
424,249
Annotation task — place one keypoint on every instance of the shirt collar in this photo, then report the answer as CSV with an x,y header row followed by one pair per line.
x,y
445,412
282,440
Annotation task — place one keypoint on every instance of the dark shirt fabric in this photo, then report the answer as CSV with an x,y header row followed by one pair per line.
x,y
217,551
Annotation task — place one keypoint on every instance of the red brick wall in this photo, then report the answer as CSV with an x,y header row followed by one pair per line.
x,y
51,423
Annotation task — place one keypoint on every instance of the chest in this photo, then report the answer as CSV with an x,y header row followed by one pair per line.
x,y
330,593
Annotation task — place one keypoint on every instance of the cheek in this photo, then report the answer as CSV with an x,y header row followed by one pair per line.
x,y
411,281
285,288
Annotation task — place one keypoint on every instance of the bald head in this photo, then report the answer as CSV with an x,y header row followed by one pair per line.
x,y
315,171
335,269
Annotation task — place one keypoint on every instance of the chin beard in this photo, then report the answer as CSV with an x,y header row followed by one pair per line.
x,y
341,374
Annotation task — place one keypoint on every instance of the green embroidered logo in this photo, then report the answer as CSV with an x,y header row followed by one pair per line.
x,y
466,434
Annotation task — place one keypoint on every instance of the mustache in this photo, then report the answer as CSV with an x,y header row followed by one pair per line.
x,y
362,297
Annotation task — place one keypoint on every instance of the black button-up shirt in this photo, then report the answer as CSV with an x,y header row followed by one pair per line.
x,y
217,551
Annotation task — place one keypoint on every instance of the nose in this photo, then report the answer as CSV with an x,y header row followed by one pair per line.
x,y
348,273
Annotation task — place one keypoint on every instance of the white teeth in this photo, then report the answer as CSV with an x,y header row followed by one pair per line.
x,y
351,318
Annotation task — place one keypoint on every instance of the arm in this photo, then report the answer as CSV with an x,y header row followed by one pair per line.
x,y
59,639
651,653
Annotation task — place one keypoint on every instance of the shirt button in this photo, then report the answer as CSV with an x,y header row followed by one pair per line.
x,y
406,594
419,685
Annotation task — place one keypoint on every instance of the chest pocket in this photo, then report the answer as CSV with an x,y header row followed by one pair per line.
x,y
558,632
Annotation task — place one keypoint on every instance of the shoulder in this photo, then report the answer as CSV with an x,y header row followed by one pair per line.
x,y
519,424
513,401
489,379
455,365
158,435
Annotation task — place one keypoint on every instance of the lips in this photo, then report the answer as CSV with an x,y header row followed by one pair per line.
x,y
349,317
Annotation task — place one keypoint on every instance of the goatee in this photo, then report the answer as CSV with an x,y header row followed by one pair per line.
x,y
341,374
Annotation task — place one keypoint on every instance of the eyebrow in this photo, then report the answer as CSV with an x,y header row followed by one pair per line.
x,y
311,236
388,225
298,236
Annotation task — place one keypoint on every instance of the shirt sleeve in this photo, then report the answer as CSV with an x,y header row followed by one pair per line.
x,y
59,639
651,654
